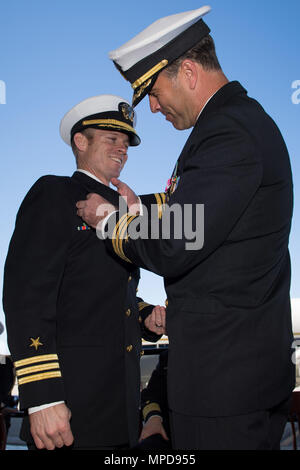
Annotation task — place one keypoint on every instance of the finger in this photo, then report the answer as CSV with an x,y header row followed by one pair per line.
x,y
163,316
38,442
67,437
52,438
157,316
160,330
58,441
152,319
116,182
160,316
151,325
80,204
47,442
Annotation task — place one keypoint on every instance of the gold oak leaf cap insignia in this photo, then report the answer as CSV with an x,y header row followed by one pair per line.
x,y
36,343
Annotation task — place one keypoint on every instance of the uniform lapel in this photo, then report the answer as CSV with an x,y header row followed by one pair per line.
x,y
93,186
219,99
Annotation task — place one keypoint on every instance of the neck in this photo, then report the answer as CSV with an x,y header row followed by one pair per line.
x,y
210,83
98,176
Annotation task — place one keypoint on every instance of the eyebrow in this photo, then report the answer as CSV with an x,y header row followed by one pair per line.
x,y
116,134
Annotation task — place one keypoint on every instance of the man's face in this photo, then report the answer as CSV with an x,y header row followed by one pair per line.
x,y
106,154
168,97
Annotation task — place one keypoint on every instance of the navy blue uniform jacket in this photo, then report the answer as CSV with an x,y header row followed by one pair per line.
x,y
73,320
228,315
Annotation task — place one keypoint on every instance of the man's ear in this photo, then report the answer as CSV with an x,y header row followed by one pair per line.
x,y
81,141
189,72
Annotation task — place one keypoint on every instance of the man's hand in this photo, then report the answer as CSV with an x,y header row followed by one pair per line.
x,y
156,321
94,209
128,194
50,427
153,426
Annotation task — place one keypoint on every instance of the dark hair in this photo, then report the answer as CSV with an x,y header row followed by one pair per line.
x,y
204,52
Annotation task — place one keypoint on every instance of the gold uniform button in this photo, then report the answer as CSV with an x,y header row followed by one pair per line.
x,y
129,348
142,353
128,312
166,302
129,279
140,319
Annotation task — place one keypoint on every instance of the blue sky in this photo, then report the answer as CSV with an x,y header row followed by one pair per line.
x,y
55,54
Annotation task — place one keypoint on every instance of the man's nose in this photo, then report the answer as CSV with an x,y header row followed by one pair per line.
x,y
154,104
122,149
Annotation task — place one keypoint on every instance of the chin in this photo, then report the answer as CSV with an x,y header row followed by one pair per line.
x,y
179,127
182,126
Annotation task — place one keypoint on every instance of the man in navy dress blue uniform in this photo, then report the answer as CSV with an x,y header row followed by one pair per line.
x,y
74,322
230,373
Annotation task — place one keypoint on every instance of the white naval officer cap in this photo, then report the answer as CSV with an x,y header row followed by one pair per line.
x,y
108,112
142,58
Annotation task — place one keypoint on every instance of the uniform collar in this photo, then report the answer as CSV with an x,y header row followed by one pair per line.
x,y
220,97
94,185
90,175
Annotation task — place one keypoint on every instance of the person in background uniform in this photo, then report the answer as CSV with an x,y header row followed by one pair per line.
x,y
230,373
155,410
73,320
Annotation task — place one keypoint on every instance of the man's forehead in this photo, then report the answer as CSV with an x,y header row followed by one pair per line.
x,y
121,135
161,81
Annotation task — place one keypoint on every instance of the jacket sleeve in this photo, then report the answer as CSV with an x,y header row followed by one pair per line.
x,y
220,177
32,275
154,396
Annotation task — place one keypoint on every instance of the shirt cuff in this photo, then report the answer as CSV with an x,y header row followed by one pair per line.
x,y
34,409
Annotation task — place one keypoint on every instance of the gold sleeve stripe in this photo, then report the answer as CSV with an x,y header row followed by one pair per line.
x,y
37,377
142,305
119,235
35,359
118,230
149,408
29,370
159,201
122,237
115,236
163,197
